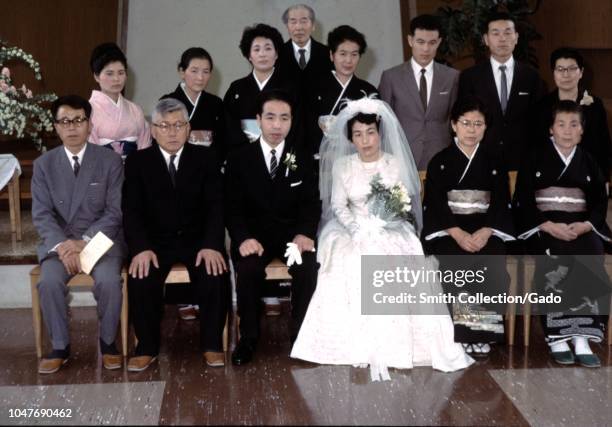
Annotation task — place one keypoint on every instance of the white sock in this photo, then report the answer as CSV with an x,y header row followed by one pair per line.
x,y
581,345
271,300
559,347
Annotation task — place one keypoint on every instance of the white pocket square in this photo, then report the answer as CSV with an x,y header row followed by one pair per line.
x,y
523,93
444,93
295,184
94,183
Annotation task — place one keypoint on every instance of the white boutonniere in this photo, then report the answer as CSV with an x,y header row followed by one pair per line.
x,y
290,162
586,99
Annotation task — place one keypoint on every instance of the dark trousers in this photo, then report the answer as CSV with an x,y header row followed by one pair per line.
x,y
251,274
146,298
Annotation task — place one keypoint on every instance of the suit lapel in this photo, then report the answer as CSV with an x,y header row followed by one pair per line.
x,y
436,84
66,181
516,78
82,181
410,83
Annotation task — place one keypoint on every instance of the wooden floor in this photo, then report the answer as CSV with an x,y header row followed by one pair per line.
x,y
511,387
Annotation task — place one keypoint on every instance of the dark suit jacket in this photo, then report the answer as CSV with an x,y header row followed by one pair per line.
x,y
266,209
508,133
318,65
68,207
156,214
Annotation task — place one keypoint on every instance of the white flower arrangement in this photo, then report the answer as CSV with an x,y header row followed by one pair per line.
x,y
290,162
22,113
586,99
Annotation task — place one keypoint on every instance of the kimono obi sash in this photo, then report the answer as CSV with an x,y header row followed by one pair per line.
x,y
561,199
467,202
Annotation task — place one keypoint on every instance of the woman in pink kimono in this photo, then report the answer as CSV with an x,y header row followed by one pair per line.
x,y
116,122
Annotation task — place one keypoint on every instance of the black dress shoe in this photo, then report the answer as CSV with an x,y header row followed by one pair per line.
x,y
243,353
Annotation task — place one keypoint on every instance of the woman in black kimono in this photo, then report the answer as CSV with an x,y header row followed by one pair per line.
x,y
466,211
206,115
568,67
561,206
260,45
324,98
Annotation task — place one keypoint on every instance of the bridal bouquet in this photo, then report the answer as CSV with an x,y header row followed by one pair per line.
x,y
21,112
389,203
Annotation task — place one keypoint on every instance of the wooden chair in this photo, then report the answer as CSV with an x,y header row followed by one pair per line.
x,y
14,201
179,274
81,280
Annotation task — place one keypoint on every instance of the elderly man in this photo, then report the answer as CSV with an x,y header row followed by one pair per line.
x,y
422,91
302,57
173,213
76,193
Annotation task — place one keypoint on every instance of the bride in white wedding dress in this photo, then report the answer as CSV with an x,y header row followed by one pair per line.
x,y
334,331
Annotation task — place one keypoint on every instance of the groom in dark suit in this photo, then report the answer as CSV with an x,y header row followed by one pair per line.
x,y
272,200
509,89
173,212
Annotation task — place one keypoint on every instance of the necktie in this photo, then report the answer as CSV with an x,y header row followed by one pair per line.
x,y
504,89
423,89
302,60
172,170
76,167
273,164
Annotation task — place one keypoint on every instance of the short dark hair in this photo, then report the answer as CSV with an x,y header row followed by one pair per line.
x,y
194,53
273,95
260,30
566,53
497,16
566,106
104,54
364,118
425,22
344,33
73,101
467,104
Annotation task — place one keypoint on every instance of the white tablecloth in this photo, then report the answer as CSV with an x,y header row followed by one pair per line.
x,y
8,165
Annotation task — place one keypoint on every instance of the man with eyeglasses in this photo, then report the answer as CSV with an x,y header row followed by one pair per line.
x,y
173,213
510,90
422,91
76,193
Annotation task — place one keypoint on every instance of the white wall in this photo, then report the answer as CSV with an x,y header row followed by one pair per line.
x,y
160,30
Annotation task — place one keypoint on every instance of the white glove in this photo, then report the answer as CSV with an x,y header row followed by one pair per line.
x,y
293,255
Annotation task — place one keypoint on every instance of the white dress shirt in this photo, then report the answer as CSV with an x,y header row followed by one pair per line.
x,y
167,157
267,151
497,75
80,155
296,51
416,69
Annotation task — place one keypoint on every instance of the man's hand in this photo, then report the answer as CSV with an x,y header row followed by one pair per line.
x,y
580,228
139,267
463,239
72,263
68,247
250,247
213,260
481,237
559,231
303,243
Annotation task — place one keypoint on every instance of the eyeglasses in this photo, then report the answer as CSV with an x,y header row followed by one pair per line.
x,y
65,123
570,70
164,128
477,124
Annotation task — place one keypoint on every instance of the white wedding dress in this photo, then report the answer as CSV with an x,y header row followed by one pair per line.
x,y
334,331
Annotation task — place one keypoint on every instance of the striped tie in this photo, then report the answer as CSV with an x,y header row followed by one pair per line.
x,y
273,164
76,167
